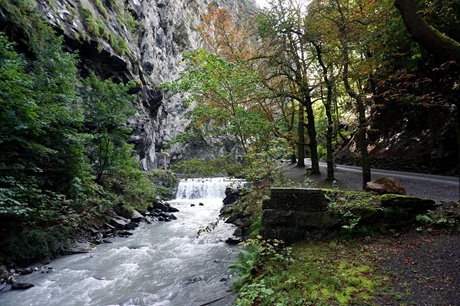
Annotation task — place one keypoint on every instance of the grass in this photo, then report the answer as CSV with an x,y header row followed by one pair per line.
x,y
335,272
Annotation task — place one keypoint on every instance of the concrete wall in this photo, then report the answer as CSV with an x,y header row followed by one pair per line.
x,y
293,214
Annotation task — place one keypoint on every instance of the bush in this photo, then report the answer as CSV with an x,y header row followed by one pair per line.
x,y
31,244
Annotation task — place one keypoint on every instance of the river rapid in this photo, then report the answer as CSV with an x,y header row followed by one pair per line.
x,y
164,263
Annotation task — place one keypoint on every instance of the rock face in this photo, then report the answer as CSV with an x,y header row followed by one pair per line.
x,y
142,41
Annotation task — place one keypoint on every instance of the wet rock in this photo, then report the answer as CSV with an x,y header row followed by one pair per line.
x,y
119,222
231,196
137,217
132,225
386,185
234,240
164,207
4,273
192,205
124,233
81,247
195,279
172,217
21,286
25,271
47,269
173,209
201,204
11,280
2,286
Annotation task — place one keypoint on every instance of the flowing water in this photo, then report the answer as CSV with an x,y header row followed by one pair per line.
x,y
163,263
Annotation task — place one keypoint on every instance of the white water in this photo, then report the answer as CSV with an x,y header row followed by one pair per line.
x,y
199,188
152,267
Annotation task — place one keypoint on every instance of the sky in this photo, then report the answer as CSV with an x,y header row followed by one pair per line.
x,y
261,3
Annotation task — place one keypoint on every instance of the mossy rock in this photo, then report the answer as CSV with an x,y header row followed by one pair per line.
x,y
406,202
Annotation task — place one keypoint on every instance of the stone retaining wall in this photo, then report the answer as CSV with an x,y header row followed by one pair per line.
x,y
293,214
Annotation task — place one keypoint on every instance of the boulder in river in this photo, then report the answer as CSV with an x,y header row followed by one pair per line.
x,y
165,207
21,286
231,196
132,225
81,247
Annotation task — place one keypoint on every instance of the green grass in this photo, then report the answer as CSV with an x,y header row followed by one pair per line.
x,y
319,273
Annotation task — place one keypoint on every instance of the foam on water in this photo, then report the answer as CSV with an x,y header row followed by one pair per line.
x,y
163,263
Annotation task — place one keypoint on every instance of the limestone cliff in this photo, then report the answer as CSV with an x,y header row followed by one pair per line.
x,y
140,40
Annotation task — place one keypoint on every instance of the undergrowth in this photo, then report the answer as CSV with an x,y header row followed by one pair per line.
x,y
311,273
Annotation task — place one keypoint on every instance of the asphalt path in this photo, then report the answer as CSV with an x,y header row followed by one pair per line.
x,y
435,179
436,187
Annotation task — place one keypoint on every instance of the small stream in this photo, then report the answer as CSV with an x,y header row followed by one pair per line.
x,y
163,263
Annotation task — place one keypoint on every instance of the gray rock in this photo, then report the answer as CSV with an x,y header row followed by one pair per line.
x,y
137,217
81,247
21,286
118,222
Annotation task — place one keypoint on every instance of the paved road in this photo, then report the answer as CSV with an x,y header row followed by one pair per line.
x,y
436,179
436,187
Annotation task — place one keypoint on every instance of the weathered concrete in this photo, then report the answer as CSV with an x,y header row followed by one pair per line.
x,y
293,214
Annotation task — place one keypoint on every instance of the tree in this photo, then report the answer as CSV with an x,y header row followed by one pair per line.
x,y
438,44
107,107
347,24
285,40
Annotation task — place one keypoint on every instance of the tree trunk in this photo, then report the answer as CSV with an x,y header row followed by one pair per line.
x,y
365,163
441,46
301,143
330,122
311,130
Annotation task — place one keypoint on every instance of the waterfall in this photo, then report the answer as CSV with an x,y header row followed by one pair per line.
x,y
204,188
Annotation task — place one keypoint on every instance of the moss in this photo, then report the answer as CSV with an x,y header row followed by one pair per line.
x,y
101,8
406,202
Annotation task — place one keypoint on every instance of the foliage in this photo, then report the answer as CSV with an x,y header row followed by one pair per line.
x,y
223,92
37,244
255,254
106,108
60,134
430,220
223,165
316,273
98,28
164,182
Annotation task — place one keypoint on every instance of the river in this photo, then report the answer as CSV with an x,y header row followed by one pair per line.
x,y
164,263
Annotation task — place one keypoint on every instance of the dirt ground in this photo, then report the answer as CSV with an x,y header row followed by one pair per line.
x,y
424,266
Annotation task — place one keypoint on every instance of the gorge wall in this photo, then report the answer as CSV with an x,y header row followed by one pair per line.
x,y
131,40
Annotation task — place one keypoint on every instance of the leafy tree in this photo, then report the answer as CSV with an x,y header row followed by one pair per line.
x,y
107,107
442,46
287,46
223,92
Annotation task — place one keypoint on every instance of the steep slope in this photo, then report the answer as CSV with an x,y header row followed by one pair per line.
x,y
133,40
